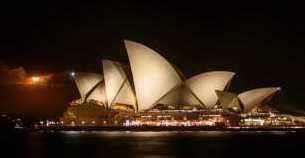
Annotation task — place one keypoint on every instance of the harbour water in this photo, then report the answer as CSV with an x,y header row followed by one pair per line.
x,y
126,144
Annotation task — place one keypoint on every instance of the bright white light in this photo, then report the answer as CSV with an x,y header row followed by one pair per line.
x,y
72,74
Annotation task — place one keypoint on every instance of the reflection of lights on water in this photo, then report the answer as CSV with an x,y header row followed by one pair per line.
x,y
71,132
149,134
133,133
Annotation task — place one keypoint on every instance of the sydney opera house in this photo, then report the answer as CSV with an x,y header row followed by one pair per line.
x,y
151,91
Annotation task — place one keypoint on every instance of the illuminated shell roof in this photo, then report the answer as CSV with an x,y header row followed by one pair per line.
x,y
85,82
153,75
118,88
126,95
155,80
180,96
205,84
256,97
98,93
226,99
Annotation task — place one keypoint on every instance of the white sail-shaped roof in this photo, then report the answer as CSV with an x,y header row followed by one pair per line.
x,y
180,96
205,84
255,97
98,93
114,78
126,95
153,75
86,81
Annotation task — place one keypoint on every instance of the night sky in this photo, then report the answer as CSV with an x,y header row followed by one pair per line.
x,y
262,42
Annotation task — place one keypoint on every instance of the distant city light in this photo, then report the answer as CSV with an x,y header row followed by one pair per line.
x,y
35,79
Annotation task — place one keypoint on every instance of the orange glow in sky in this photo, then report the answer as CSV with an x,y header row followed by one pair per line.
x,y
35,79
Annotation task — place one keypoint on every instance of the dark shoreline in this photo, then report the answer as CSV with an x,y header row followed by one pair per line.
x,y
153,128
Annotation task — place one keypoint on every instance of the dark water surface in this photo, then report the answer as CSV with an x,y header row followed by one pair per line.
x,y
208,144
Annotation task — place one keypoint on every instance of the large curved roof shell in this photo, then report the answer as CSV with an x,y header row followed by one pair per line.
x,y
153,75
98,93
180,96
117,84
256,97
205,84
85,82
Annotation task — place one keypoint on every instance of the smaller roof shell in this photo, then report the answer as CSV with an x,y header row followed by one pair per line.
x,y
85,82
256,97
205,84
